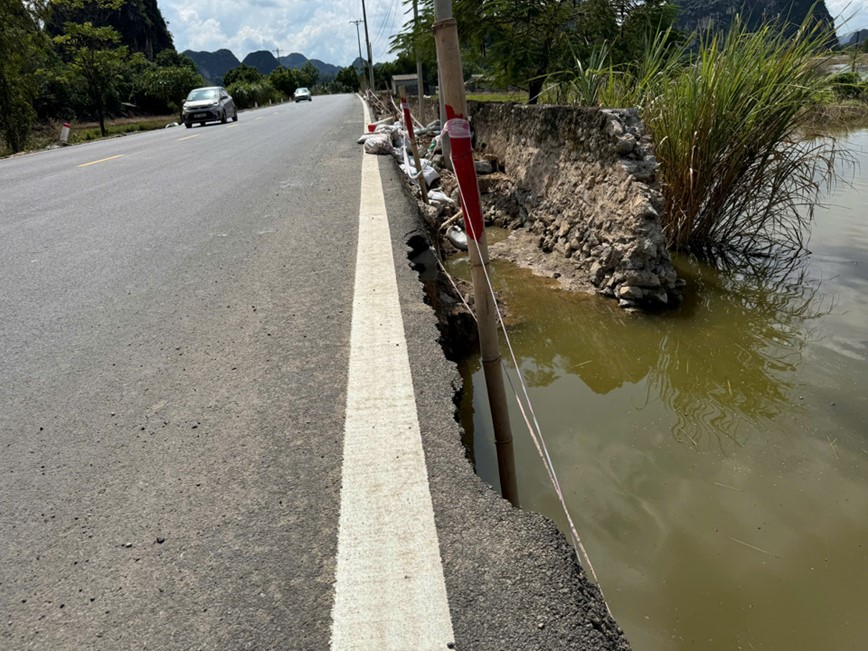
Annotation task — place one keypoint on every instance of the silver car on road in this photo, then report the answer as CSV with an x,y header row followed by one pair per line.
x,y
209,104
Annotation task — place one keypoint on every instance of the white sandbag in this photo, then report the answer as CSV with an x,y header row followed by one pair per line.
x,y
429,173
365,137
440,197
379,145
457,237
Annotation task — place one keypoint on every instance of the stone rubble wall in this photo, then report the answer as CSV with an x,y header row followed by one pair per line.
x,y
584,182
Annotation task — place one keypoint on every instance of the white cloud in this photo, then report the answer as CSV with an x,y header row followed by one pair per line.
x,y
319,30
849,15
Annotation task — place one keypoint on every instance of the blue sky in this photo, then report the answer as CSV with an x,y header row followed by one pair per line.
x,y
321,29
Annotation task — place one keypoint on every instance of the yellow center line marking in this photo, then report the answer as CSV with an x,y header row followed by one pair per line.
x,y
188,137
102,160
258,118
231,126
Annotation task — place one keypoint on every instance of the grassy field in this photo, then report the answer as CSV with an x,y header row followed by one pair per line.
x,y
85,131
45,135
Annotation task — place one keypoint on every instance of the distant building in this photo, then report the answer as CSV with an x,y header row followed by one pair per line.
x,y
410,83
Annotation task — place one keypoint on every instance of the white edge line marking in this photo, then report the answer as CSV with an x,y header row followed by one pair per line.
x,y
389,589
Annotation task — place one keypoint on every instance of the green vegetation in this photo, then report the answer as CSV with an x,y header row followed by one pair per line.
x,y
170,80
730,115
520,45
736,168
733,110
65,60
22,50
99,60
95,59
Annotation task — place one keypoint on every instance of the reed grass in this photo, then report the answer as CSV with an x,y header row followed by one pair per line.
x,y
737,170
729,115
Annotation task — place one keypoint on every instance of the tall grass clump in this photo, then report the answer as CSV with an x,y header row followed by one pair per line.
x,y
585,83
737,170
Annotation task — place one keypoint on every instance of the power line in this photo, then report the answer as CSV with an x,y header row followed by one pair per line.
x,y
387,21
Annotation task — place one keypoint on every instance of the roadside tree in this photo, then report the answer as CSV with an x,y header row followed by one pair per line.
x,y
284,79
347,80
244,74
94,58
22,48
171,82
308,75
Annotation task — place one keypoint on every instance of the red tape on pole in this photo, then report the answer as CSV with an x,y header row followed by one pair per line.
x,y
408,121
465,171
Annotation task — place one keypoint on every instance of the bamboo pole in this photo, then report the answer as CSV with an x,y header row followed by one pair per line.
x,y
408,125
443,12
457,129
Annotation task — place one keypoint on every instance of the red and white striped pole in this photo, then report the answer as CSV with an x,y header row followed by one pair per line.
x,y
408,124
458,130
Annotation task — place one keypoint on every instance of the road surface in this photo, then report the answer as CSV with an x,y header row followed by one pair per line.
x,y
187,376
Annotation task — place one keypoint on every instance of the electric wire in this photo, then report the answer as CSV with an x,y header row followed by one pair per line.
x,y
386,23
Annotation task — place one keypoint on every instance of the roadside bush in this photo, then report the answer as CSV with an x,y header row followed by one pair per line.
x,y
284,79
16,116
849,85
248,95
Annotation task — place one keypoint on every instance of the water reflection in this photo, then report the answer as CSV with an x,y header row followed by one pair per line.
x,y
728,355
746,342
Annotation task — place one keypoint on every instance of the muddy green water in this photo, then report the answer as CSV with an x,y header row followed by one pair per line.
x,y
715,459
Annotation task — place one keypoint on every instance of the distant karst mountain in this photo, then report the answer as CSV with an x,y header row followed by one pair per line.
x,y
263,60
294,60
213,65
719,14
855,38
327,71
360,64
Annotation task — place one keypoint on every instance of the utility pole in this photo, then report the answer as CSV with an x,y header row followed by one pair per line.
x,y
368,43
359,38
443,12
279,64
454,104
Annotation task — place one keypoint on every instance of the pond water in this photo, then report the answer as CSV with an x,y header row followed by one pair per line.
x,y
715,458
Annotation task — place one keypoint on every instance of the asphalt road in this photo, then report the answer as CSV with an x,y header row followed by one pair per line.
x,y
175,313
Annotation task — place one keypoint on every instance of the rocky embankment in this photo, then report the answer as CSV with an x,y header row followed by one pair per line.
x,y
577,188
